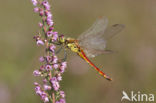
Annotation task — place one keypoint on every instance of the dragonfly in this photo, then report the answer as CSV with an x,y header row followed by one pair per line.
x,y
92,42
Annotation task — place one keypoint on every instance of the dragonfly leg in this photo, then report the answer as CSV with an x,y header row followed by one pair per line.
x,y
58,51
65,55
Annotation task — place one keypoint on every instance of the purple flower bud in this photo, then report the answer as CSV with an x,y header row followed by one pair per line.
x,y
53,79
46,5
55,36
55,66
48,67
37,73
52,48
55,59
46,99
62,94
57,102
34,2
56,86
40,42
45,81
49,59
62,69
41,59
42,67
38,92
49,33
37,88
62,101
51,28
47,87
41,12
36,9
64,64
40,24
59,77
50,22
48,14
36,84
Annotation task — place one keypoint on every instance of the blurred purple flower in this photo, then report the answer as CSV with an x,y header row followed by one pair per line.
x,y
47,87
48,67
44,97
36,9
62,101
41,12
34,2
55,66
52,48
40,42
37,73
40,24
41,59
49,33
55,59
62,94
49,59
59,77
46,5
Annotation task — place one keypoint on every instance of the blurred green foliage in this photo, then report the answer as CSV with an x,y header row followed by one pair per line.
x,y
132,67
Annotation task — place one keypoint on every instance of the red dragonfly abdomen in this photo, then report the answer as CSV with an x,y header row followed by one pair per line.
x,y
82,55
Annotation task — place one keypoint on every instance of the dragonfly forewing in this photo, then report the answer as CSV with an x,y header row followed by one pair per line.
x,y
93,41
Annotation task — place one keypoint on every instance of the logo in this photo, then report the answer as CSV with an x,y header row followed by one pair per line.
x,y
137,96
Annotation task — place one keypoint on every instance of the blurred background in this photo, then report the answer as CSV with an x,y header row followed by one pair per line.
x,y
132,68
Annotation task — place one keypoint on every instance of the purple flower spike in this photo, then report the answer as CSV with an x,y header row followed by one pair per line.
x,y
51,68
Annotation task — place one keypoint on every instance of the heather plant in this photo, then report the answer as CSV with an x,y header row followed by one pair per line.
x,y
52,67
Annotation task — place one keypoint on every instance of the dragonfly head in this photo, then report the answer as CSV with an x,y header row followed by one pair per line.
x,y
61,39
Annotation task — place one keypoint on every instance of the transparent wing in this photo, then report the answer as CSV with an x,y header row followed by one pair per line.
x,y
113,30
98,26
94,41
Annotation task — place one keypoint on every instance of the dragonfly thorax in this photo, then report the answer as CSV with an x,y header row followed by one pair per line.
x,y
73,47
